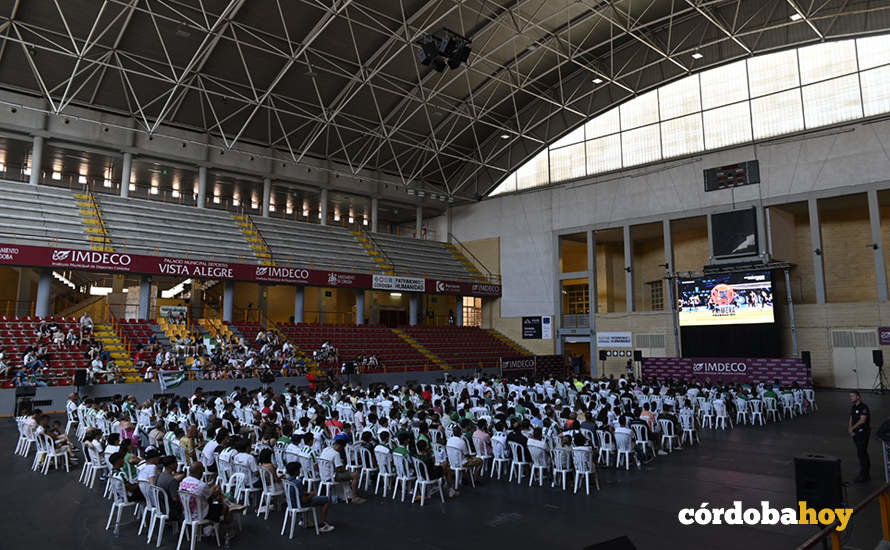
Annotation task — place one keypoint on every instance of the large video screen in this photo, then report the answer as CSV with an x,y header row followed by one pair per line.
x,y
726,299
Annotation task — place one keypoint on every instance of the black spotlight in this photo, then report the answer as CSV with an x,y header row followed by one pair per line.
x,y
443,48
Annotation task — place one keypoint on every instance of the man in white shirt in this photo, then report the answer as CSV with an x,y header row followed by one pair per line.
x,y
208,456
472,463
248,462
334,455
148,470
209,498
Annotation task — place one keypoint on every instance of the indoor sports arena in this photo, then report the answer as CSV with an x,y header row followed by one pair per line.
x,y
445,274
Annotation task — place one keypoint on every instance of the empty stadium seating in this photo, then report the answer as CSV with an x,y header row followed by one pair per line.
x,y
158,228
419,258
135,332
352,341
463,346
313,246
40,215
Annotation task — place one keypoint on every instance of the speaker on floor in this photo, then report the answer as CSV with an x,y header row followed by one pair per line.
x,y
620,543
877,357
80,377
818,480
805,357
638,355
603,355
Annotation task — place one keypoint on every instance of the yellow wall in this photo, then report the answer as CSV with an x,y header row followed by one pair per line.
x,y
572,254
849,262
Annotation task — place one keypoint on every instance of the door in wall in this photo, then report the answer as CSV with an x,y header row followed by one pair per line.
x,y
851,358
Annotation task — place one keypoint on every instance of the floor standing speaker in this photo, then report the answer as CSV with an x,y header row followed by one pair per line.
x,y
80,377
818,480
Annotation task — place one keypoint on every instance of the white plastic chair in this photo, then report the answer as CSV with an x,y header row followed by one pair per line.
x,y
404,474
248,489
500,457
194,510
97,465
770,406
293,508
148,509
160,513
668,437
518,461
606,447
539,465
641,433
787,405
625,448
423,481
706,413
584,467
687,422
755,411
26,439
50,452
456,461
368,469
741,415
329,486
268,494
810,396
120,501
562,465
387,471
483,452
721,418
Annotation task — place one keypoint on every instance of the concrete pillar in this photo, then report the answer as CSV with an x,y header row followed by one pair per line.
x,y
23,292
592,300
323,206
36,160
413,308
670,281
262,302
144,298
360,306
374,215
228,300
762,237
874,218
459,314
267,196
816,240
628,269
299,304
196,302
44,293
418,231
126,174
202,186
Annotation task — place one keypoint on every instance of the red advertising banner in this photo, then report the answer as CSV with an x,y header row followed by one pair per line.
x,y
118,262
729,370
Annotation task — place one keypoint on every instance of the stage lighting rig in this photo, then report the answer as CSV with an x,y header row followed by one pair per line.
x,y
443,48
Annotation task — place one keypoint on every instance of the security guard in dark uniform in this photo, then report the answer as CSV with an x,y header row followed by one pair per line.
x,y
859,428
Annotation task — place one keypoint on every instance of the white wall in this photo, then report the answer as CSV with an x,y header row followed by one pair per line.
x,y
830,162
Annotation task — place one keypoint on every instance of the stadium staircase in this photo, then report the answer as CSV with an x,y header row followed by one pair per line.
x,y
252,233
367,241
464,261
93,222
462,347
420,348
215,327
111,342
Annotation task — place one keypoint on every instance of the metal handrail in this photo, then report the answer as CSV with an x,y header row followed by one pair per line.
x,y
489,275
829,532
379,249
95,203
244,212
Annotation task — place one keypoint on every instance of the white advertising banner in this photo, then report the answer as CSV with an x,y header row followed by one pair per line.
x,y
614,339
407,284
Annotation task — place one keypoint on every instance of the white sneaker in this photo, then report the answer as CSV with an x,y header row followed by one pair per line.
x,y
326,528
661,453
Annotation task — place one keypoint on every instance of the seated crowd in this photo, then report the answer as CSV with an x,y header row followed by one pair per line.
x,y
342,437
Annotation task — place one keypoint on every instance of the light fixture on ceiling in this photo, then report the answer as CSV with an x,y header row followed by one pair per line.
x,y
351,220
597,80
81,179
410,191
175,193
505,136
796,16
441,198
216,199
106,183
271,208
132,187
421,193
395,294
154,190
450,199
365,221
56,176
697,55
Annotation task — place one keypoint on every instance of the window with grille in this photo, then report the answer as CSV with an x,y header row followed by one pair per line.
x,y
472,311
656,295
577,299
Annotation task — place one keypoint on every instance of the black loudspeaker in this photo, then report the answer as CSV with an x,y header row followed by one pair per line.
x,y
620,543
638,355
805,357
80,377
877,357
818,481
603,354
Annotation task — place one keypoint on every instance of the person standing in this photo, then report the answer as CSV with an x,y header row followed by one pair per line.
x,y
859,428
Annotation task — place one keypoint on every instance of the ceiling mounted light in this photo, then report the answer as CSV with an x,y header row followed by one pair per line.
x,y
410,191
796,17
505,136
421,193
697,55
597,80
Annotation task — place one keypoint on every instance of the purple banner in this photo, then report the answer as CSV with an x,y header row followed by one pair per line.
x,y
731,370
